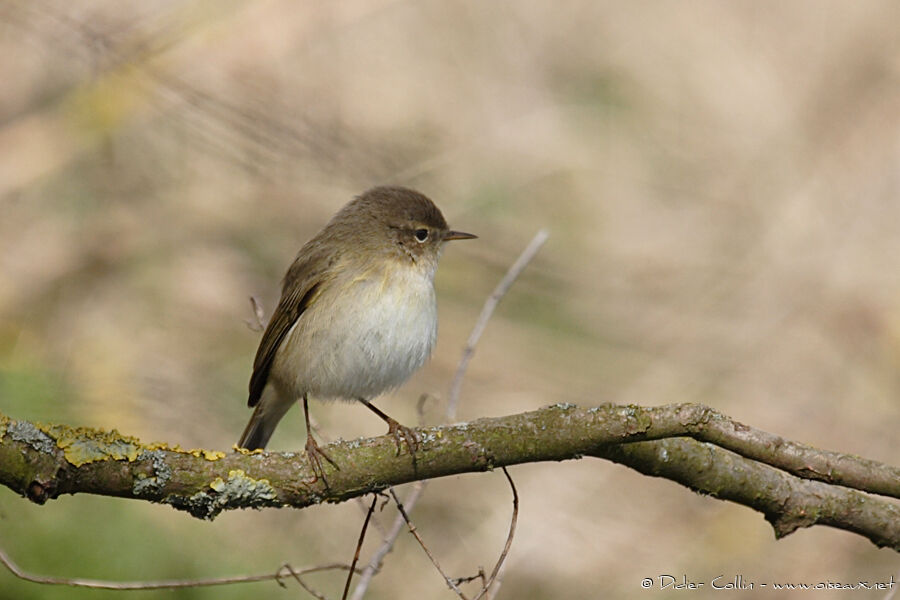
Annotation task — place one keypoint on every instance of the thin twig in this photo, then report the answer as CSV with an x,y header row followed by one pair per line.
x,y
480,575
303,584
373,520
259,316
509,537
454,583
362,537
160,585
498,582
387,545
390,537
412,530
489,306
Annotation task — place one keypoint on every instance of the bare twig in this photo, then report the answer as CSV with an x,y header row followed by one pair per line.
x,y
489,306
362,537
100,584
293,573
373,519
412,530
498,582
259,316
454,583
479,575
390,537
387,545
509,538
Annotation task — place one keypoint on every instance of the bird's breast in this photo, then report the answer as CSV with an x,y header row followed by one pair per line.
x,y
362,336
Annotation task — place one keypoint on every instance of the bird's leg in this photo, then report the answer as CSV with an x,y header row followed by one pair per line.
x,y
313,451
399,432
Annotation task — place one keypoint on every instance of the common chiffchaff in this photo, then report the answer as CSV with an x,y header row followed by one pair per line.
x,y
357,314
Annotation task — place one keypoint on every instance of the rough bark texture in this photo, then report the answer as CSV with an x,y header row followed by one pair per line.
x,y
793,485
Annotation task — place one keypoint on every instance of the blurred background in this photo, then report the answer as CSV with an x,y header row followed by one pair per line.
x,y
720,182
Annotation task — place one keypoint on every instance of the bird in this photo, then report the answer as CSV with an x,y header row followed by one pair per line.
x,y
357,314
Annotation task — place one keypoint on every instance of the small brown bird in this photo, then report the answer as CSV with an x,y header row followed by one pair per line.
x,y
357,314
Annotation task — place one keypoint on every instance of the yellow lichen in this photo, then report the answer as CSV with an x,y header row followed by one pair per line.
x,y
82,445
246,452
198,452
239,484
208,454
161,446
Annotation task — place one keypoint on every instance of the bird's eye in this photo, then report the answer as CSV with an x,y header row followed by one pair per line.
x,y
421,235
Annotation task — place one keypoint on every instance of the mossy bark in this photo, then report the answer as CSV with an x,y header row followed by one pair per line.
x,y
793,485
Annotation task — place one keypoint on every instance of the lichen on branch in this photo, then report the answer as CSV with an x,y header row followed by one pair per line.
x,y
792,484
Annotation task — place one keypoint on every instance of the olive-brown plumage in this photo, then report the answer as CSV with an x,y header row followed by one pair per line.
x,y
357,314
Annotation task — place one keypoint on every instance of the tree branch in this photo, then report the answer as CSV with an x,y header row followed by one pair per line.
x,y
725,459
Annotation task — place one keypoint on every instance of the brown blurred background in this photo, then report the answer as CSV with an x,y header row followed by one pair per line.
x,y
721,182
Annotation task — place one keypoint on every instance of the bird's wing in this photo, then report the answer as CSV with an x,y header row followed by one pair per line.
x,y
292,304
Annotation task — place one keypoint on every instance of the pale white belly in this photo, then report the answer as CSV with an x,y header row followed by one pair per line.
x,y
360,342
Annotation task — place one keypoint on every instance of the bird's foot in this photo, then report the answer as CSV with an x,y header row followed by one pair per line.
x,y
315,454
401,434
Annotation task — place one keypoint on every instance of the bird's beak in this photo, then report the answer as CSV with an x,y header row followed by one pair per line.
x,y
459,235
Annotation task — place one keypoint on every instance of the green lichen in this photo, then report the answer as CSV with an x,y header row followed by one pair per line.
x,y
238,491
4,421
23,431
153,485
83,445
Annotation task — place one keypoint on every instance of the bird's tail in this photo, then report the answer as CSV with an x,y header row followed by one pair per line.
x,y
266,416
